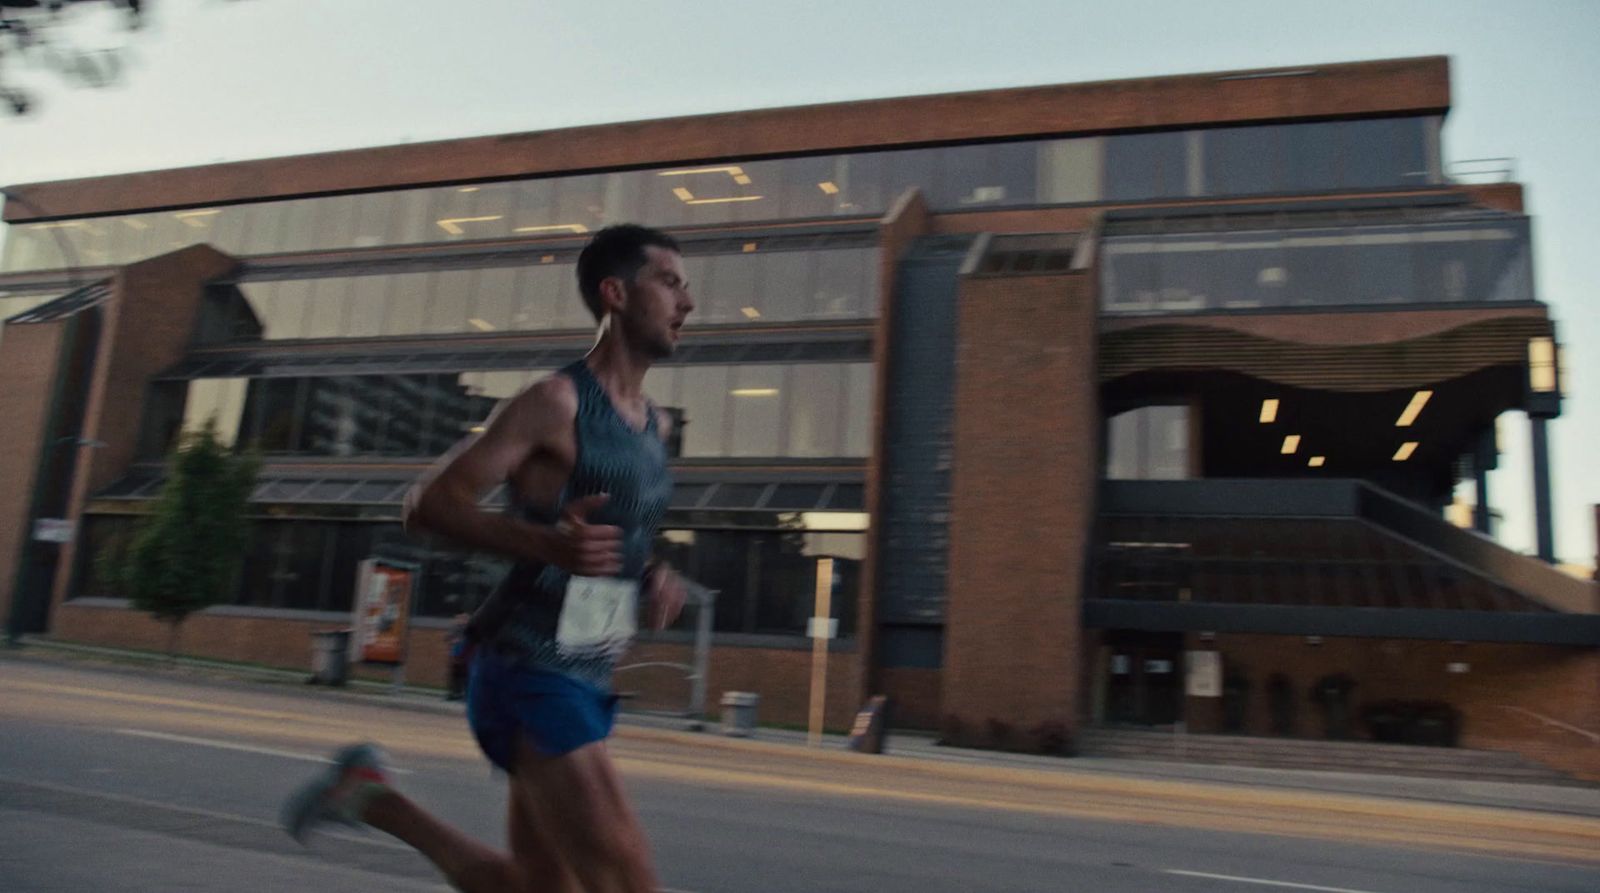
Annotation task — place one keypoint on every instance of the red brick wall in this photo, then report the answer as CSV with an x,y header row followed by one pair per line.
x,y
915,697
29,355
1022,500
1508,197
149,324
1504,686
270,641
781,676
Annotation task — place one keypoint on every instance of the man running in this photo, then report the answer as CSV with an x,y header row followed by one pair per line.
x,y
583,455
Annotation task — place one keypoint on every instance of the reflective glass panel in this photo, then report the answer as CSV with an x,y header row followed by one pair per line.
x,y
1146,165
1148,443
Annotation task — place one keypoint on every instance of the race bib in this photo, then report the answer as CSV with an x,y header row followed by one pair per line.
x,y
597,615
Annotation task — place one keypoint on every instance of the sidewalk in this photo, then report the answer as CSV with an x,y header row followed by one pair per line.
x,y
1566,799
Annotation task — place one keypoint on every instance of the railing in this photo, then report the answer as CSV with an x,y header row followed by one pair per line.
x,y
1484,170
705,602
1353,499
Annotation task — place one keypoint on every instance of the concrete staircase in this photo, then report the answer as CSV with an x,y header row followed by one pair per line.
x,y
1324,756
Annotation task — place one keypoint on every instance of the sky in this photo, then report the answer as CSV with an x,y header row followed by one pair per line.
x,y
227,80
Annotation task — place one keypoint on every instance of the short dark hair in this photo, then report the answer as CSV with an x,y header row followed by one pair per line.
x,y
616,251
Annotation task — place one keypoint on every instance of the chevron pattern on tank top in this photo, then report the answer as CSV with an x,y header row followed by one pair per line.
x,y
630,466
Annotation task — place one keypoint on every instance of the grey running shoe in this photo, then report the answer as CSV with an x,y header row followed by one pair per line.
x,y
337,794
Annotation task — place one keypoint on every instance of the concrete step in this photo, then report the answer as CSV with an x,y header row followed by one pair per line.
x,y
1327,756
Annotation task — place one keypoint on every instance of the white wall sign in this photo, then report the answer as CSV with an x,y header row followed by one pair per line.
x,y
53,530
823,628
1205,674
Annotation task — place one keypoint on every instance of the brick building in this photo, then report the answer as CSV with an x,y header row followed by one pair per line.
x,y
1122,403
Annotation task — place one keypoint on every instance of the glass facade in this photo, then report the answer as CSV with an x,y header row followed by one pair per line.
x,y
749,541
752,286
765,579
807,410
1456,261
1273,159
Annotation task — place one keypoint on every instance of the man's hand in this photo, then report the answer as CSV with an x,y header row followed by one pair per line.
x,y
584,549
667,594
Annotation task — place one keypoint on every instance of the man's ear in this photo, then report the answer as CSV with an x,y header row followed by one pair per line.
x,y
613,294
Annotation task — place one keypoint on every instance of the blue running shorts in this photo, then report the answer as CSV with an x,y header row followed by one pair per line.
x,y
555,713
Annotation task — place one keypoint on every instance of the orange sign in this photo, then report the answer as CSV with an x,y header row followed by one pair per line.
x,y
382,611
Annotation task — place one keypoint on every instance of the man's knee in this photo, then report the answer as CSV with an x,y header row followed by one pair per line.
x,y
617,845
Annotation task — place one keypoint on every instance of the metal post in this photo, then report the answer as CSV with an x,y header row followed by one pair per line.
x,y
819,647
1480,509
1541,490
707,599
1486,457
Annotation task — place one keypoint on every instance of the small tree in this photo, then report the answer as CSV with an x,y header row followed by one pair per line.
x,y
185,554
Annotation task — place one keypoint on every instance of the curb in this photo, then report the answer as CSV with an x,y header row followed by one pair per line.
x,y
923,755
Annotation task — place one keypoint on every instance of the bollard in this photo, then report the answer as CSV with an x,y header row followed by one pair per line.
x,y
330,657
872,726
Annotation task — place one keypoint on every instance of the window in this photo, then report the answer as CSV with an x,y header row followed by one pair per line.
x,y
1318,267
758,398
1069,170
814,420
766,580
1146,165
1444,262
1312,155
1244,160
1148,443
218,400
985,175
1380,266
808,410
105,540
1386,152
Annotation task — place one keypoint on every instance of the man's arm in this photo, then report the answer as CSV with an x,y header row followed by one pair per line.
x,y
445,501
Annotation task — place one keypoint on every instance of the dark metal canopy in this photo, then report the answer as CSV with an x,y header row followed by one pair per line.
x,y
1333,558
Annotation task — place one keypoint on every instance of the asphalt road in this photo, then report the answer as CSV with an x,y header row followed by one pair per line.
x,y
127,782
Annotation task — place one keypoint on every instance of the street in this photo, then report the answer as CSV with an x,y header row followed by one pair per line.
x,y
142,782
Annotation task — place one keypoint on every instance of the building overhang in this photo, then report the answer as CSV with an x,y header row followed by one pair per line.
x,y
1413,86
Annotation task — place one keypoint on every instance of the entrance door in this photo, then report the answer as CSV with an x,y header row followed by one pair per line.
x,y
1145,679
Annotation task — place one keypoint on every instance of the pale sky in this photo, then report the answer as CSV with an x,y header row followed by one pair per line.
x,y
214,80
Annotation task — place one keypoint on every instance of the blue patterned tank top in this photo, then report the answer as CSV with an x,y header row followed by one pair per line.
x,y
520,619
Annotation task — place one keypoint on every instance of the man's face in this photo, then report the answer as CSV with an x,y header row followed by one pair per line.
x,y
658,301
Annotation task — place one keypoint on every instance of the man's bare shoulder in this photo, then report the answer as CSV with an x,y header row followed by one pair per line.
x,y
550,399
663,422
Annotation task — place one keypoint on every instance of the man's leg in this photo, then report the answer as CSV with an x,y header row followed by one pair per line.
x,y
357,789
468,864
577,802
536,852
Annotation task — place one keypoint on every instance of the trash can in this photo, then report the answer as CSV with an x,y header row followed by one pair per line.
x,y
739,713
330,657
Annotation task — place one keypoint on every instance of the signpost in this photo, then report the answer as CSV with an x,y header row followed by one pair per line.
x,y
822,628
